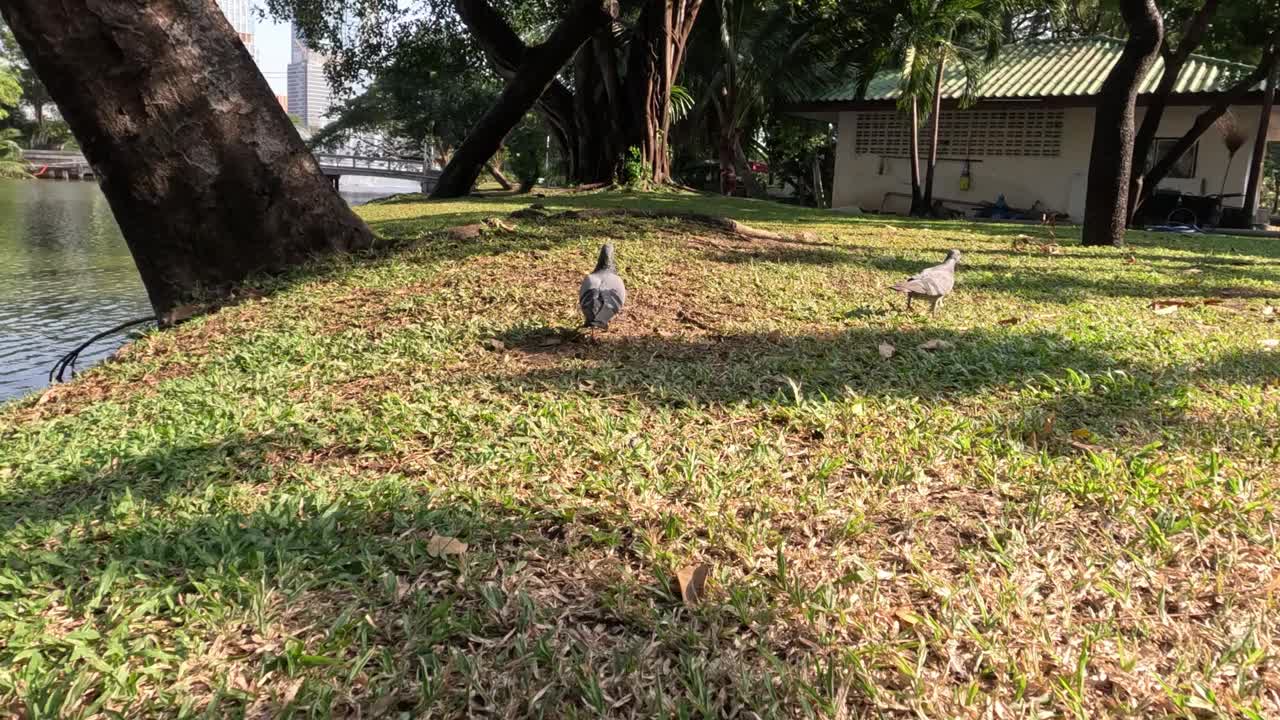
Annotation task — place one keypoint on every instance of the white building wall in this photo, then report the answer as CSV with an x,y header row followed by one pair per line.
x,y
241,19
1059,183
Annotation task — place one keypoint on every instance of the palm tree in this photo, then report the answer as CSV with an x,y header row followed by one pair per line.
x,y
929,37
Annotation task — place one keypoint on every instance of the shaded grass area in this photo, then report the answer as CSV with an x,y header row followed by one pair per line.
x,y
1067,511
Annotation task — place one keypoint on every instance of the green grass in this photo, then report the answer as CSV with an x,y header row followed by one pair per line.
x,y
1069,512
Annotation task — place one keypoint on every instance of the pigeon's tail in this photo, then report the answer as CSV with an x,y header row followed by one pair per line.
x,y
907,286
599,306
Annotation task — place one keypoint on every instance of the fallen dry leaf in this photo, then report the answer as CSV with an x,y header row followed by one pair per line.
x,y
1165,309
1270,344
693,582
934,345
47,396
887,350
1269,310
1081,434
1130,259
550,342
1009,321
907,616
494,345
442,545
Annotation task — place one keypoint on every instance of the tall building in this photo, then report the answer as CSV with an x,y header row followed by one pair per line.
x,y
309,94
237,12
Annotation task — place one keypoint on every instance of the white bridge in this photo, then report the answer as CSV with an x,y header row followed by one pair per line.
x,y
71,165
336,166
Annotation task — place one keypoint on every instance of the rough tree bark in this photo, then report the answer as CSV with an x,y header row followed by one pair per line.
x,y
1174,60
657,52
536,74
203,170
1111,159
1251,193
914,141
1210,115
935,123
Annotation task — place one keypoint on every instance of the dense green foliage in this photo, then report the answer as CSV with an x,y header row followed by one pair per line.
x,y
527,153
22,90
428,91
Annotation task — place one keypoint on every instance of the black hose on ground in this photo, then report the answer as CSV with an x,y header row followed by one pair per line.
x,y
68,361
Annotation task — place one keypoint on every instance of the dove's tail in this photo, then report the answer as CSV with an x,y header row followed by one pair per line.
x,y
907,286
599,307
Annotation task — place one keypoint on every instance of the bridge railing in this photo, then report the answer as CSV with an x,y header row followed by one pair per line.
x,y
385,164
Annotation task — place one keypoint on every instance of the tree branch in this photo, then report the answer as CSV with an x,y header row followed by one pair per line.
x,y
536,73
1174,60
1207,118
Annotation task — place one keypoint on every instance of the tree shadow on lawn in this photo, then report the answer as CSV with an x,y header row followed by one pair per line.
x,y
753,367
318,599
762,368
783,256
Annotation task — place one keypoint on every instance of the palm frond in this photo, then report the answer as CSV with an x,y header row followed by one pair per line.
x,y
682,103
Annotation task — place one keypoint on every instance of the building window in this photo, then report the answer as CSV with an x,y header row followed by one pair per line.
x,y
1185,168
965,134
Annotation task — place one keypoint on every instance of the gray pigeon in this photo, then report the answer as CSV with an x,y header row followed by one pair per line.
x,y
933,283
602,294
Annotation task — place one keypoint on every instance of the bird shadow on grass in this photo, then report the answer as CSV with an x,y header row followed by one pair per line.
x,y
1085,385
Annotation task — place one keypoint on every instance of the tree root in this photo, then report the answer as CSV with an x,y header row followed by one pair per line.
x,y
539,213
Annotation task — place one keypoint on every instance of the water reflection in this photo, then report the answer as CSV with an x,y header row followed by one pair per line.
x,y
65,275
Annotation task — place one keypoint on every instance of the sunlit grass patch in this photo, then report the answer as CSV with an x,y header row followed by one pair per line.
x,y
1066,507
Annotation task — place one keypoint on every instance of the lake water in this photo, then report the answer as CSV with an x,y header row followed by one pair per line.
x,y
65,276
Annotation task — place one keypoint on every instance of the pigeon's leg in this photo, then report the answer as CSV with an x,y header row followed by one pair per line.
x,y
909,302
933,305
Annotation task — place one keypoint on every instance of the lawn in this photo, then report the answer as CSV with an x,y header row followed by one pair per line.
x,y
1067,510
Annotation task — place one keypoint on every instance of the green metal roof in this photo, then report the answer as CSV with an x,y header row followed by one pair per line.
x,y
1054,68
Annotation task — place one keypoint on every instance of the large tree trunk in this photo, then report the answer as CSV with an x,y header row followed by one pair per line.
x,y
536,73
1174,61
602,117
1206,119
914,142
657,52
501,179
1253,191
744,168
935,124
204,172
1111,159
506,52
